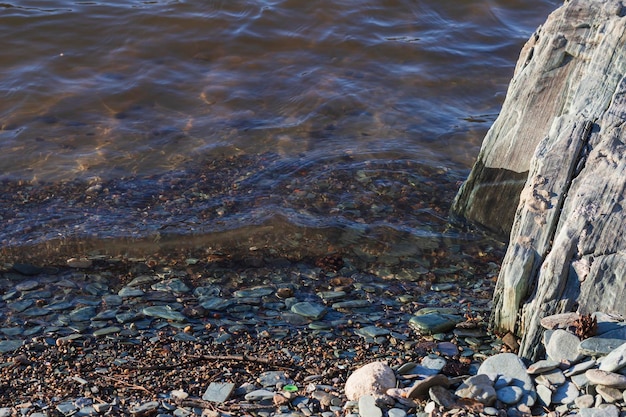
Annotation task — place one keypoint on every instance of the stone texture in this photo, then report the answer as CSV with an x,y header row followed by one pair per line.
x,y
557,149
544,365
373,378
599,346
431,323
511,366
420,389
566,393
610,379
309,310
610,411
509,395
368,407
615,360
218,391
563,347
479,388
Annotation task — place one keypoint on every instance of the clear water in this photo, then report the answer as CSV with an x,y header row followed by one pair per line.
x,y
301,125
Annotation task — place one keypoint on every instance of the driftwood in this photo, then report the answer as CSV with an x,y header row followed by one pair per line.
x,y
552,173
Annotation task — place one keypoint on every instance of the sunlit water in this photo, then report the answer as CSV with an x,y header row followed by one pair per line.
x,y
167,121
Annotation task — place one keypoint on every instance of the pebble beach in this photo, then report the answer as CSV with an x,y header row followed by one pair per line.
x,y
116,336
270,337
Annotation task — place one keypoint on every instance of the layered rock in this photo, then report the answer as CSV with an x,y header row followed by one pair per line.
x,y
552,171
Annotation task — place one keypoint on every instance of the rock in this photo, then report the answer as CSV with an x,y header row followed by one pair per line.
x,y
563,347
434,322
273,378
374,378
553,378
609,411
368,408
598,346
259,395
579,368
218,392
440,395
145,408
396,412
610,379
254,292
420,388
126,292
609,394
615,360
350,304
544,395
174,285
372,331
79,263
509,395
566,393
585,401
27,269
556,149
106,330
511,366
430,365
559,321
447,349
10,345
280,400
309,310
479,388
511,341
542,366
163,312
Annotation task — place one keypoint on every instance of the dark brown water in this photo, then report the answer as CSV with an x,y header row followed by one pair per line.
x,y
347,121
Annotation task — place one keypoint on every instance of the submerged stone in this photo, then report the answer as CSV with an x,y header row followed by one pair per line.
x,y
309,310
163,312
10,345
254,292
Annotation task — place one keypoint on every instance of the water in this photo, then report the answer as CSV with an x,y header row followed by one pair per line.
x,y
295,126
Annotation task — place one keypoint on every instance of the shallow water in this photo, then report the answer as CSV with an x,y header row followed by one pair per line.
x,y
160,119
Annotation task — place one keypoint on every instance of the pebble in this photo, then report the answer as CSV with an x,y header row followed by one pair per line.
x,y
431,323
158,303
218,392
368,407
509,394
260,395
512,367
421,388
566,393
615,360
145,408
542,366
163,312
610,379
563,347
309,310
10,345
599,346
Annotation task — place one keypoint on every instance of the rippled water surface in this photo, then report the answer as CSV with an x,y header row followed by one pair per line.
x,y
349,121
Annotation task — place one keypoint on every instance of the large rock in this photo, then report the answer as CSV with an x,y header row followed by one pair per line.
x,y
551,171
372,379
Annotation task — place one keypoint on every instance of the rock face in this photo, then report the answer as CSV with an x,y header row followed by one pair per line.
x,y
551,172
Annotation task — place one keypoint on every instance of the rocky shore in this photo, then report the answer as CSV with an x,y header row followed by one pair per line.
x,y
271,337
